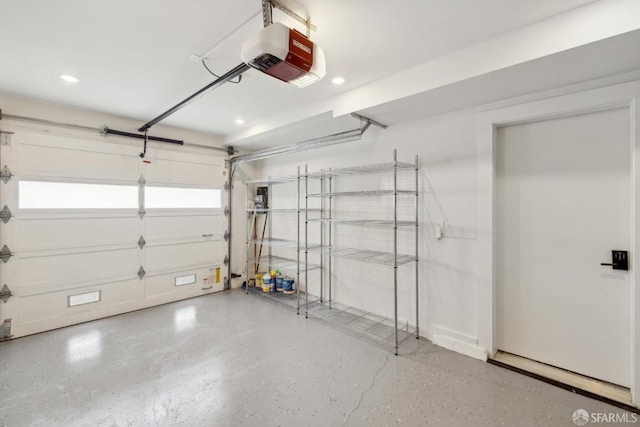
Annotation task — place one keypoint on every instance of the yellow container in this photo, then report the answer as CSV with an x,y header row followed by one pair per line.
x,y
258,280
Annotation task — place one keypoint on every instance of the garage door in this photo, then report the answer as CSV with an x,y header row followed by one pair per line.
x,y
92,231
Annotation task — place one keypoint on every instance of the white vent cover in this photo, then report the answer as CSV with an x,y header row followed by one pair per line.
x,y
86,298
186,280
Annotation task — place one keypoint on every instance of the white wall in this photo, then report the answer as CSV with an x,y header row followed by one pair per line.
x,y
456,283
447,150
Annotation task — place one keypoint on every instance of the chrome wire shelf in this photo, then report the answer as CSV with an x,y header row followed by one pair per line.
x,y
347,319
290,210
284,243
362,170
290,300
382,222
366,193
280,180
360,323
375,257
293,210
282,263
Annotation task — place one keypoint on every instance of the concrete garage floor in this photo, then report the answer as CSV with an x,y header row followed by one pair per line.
x,y
232,359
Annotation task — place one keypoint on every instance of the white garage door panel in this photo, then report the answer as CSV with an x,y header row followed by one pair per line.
x,y
177,256
108,145
61,252
185,173
37,161
180,227
37,308
57,272
68,233
165,284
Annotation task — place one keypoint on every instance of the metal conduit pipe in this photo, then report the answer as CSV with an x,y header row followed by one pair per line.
x,y
310,144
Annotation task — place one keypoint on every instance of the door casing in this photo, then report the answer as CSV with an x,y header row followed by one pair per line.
x,y
618,96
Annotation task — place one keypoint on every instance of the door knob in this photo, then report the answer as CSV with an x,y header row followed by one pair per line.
x,y
619,260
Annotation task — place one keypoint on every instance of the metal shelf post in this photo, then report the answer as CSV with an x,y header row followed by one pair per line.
x,y
249,231
268,218
395,251
298,247
322,203
306,239
417,249
330,237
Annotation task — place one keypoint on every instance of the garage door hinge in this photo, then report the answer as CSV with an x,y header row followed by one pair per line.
x,y
226,211
142,212
5,214
141,273
142,181
5,294
5,174
226,235
5,138
141,242
5,330
227,187
226,260
5,254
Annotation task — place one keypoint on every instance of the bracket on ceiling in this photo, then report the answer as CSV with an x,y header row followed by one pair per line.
x,y
267,15
367,121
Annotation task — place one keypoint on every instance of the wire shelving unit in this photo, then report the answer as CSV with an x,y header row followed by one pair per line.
x,y
270,260
376,326
391,258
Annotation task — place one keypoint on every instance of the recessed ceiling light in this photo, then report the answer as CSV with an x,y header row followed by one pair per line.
x,y
68,78
239,121
337,80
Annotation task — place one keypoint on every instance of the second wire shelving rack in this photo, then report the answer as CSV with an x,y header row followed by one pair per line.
x,y
270,260
388,258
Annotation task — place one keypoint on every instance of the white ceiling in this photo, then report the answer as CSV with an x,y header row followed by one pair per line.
x,y
133,57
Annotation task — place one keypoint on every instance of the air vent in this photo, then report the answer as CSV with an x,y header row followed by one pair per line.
x,y
186,280
86,298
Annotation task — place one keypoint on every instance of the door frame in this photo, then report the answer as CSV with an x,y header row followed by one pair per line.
x,y
625,95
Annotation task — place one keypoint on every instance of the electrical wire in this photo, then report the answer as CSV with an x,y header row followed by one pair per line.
x,y
217,76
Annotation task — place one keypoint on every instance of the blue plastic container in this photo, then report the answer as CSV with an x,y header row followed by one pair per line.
x,y
287,285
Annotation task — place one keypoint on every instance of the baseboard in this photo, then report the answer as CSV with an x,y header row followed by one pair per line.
x,y
458,342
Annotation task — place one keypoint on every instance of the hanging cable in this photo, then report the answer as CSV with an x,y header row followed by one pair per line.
x,y
217,76
144,151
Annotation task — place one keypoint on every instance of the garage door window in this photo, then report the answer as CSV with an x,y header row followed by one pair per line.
x,y
67,195
182,198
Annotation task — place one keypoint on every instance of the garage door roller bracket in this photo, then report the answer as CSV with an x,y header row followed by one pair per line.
x,y
5,294
5,214
5,174
5,254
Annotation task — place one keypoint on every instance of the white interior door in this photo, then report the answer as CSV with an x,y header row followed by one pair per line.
x,y
563,204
